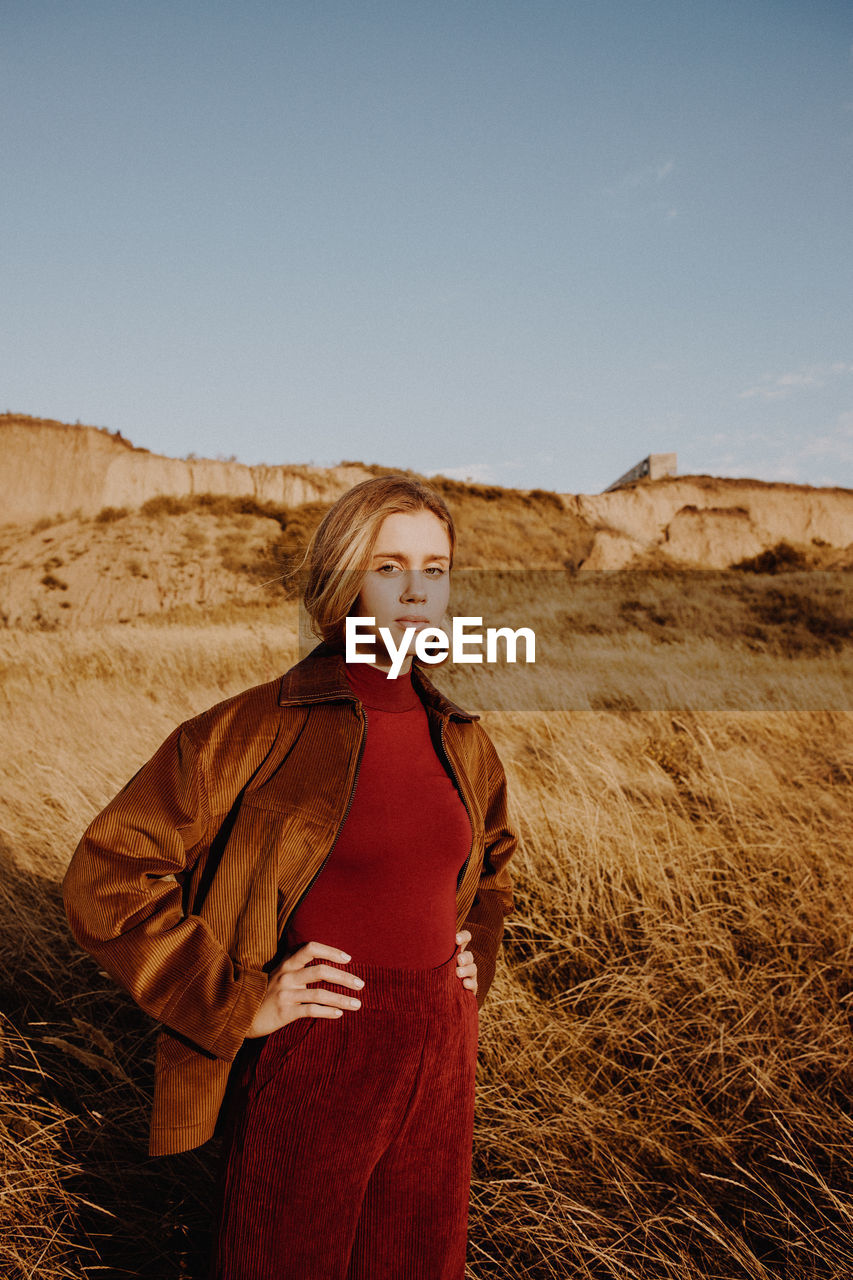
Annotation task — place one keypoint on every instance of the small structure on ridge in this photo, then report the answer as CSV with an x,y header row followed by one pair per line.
x,y
652,467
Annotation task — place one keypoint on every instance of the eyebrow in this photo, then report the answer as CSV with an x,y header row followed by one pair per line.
x,y
401,555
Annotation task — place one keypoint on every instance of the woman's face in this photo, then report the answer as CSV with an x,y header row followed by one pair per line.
x,y
408,578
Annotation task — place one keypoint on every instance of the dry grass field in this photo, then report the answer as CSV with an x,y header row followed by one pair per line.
x,y
666,1063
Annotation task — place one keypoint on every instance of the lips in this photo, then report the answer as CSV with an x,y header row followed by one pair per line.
x,y
410,621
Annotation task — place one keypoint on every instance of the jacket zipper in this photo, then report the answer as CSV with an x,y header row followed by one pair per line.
x,y
464,867
307,888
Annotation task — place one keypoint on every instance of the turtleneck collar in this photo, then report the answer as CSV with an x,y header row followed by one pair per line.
x,y
378,691
321,675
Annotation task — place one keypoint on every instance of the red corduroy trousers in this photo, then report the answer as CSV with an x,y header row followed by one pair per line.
x,y
349,1139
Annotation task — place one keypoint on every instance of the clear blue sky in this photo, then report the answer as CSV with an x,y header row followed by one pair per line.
x,y
528,242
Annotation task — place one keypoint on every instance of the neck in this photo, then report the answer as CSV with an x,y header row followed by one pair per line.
x,y
384,664
376,689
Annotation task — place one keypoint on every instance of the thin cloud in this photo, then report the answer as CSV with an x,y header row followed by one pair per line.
x,y
499,472
644,189
817,460
836,444
648,174
473,473
785,384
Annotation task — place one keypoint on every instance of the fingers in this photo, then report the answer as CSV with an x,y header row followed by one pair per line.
x,y
289,995
298,971
314,951
299,965
293,976
282,1004
466,967
301,1001
323,1009
318,972
319,1011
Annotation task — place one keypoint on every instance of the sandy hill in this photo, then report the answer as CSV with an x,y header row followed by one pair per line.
x,y
96,530
711,523
48,469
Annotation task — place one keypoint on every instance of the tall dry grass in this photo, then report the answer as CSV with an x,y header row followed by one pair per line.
x,y
666,1060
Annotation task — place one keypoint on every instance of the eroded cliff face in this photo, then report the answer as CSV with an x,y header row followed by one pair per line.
x,y
711,523
49,469
77,550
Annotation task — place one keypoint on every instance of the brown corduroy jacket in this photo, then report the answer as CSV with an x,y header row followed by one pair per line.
x,y
183,885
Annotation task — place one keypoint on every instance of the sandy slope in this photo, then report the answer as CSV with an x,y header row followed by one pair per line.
x,y
60,565
84,573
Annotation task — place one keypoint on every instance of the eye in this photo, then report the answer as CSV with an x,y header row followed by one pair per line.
x,y
390,569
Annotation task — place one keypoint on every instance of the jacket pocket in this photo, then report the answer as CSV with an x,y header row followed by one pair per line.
x,y
173,1050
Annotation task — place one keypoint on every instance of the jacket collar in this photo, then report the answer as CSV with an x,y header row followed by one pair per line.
x,y
321,676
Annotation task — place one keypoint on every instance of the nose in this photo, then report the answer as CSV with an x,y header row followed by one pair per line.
x,y
413,586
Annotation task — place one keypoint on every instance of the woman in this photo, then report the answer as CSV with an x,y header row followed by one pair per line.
x,y
284,887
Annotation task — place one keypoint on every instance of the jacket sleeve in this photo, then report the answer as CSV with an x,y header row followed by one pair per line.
x,y
493,900
123,899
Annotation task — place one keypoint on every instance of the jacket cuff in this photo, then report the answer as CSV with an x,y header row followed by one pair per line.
x,y
253,988
484,945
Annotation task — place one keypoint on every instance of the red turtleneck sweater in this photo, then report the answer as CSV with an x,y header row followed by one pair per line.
x,y
387,892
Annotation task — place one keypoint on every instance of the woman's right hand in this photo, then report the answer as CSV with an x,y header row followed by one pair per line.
x,y
289,996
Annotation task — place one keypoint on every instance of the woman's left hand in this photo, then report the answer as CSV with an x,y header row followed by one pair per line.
x,y
466,968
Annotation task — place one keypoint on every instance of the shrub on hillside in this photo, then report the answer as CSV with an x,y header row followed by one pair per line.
x,y
463,488
215,504
546,498
783,558
165,504
799,623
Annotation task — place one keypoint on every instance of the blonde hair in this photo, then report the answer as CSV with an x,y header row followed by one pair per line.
x,y
338,556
